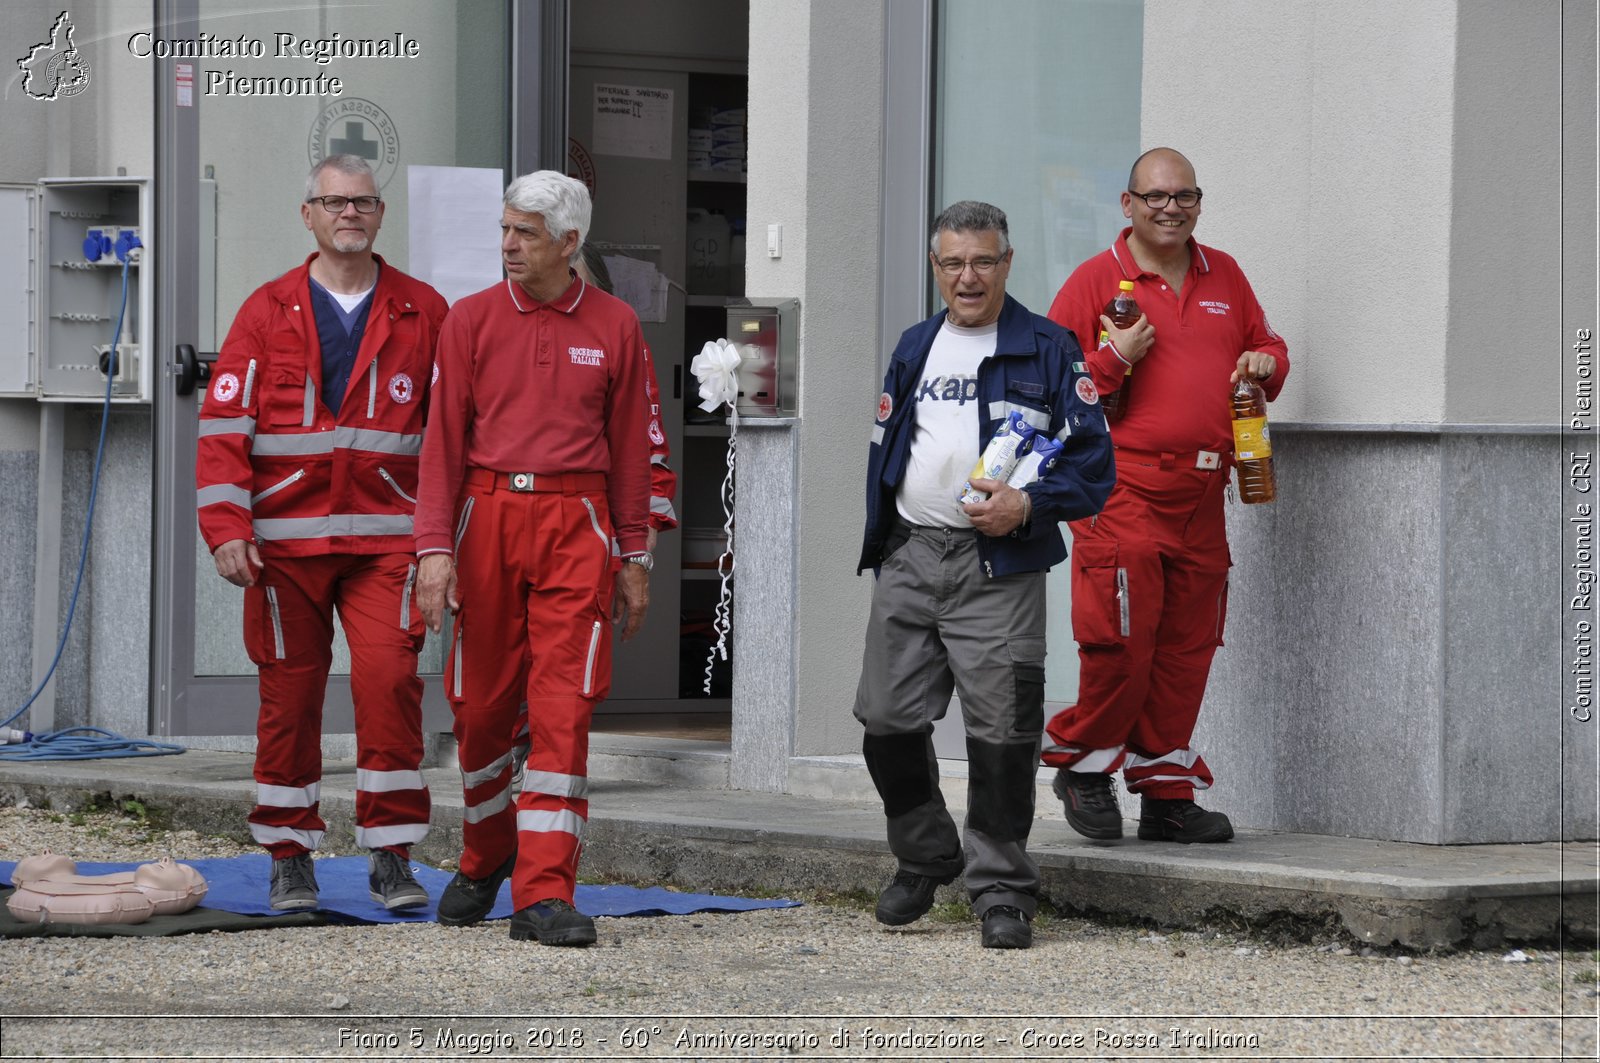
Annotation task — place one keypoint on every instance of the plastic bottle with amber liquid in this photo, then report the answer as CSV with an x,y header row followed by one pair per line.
x,y
1252,443
1123,312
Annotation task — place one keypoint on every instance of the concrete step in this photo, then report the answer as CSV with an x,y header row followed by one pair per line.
x,y
663,815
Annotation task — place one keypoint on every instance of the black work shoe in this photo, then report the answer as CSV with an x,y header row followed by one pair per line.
x,y
467,900
1005,927
1090,803
391,883
553,922
294,884
906,898
1184,821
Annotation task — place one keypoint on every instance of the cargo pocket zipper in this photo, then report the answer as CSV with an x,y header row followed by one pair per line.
x,y
275,488
1122,600
588,665
277,623
390,480
405,597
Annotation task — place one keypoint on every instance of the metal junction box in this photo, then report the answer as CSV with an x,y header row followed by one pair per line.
x,y
766,332
63,243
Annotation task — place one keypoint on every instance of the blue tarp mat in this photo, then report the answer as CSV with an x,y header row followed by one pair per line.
x,y
238,884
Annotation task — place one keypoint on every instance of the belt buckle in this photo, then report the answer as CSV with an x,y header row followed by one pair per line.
x,y
520,481
1208,459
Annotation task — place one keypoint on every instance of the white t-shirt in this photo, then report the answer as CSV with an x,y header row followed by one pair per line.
x,y
944,447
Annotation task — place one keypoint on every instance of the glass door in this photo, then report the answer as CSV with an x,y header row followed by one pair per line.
x,y
404,83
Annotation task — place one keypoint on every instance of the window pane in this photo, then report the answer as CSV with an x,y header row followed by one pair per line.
x,y
1037,112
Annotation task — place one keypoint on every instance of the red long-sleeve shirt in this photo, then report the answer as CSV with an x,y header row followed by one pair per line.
x,y
525,386
1179,397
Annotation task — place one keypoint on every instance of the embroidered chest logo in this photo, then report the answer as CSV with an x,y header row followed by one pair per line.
x,y
1214,306
226,387
586,355
401,389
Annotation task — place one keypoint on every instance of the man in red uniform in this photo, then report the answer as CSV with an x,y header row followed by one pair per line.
x,y
535,472
306,475
1150,572
590,265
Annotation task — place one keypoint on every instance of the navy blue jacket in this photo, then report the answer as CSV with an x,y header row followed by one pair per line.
x,y
1037,368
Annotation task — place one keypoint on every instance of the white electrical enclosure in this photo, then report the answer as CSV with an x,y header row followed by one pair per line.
x,y
19,288
83,229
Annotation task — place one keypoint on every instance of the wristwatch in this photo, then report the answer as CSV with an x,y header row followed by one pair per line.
x,y
644,561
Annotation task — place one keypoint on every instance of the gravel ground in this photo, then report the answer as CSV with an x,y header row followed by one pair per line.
x,y
820,981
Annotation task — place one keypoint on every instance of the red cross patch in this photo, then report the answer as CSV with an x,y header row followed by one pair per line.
x,y
400,388
226,387
885,406
1086,391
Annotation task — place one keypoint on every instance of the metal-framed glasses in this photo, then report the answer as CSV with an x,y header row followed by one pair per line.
x,y
1189,197
954,267
336,204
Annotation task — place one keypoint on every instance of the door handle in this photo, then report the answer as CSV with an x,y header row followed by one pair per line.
x,y
192,368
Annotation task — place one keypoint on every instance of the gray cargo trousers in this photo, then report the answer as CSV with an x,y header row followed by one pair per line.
x,y
940,625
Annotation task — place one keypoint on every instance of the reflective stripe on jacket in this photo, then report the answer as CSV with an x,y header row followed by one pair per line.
x,y
274,464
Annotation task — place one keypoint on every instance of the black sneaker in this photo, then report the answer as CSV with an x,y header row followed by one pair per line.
x,y
1005,927
468,900
294,884
553,922
391,883
1181,821
1090,803
906,898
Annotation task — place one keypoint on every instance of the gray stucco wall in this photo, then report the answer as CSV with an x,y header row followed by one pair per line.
x,y
815,163
1392,667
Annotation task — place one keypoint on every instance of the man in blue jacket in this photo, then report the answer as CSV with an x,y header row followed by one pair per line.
x,y
959,599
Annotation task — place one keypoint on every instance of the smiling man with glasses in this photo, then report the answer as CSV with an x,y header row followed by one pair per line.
x,y
1150,573
959,598
307,481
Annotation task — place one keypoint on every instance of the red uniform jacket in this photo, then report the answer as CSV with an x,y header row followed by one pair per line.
x,y
274,464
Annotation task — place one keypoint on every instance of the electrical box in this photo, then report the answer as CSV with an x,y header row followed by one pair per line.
x,y
766,332
64,242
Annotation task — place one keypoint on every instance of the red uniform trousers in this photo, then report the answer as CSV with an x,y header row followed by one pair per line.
x,y
535,581
1149,600
288,632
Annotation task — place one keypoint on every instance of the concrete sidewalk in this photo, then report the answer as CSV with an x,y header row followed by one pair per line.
x,y
657,814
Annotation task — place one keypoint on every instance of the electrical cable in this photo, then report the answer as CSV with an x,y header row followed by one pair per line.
x,y
66,744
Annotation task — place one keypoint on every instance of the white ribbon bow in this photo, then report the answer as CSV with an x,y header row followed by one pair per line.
x,y
717,369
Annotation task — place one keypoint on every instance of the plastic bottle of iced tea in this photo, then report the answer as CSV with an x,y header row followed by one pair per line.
x,y
1252,443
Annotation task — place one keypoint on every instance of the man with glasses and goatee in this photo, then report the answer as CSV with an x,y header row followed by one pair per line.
x,y
1150,573
958,605
306,479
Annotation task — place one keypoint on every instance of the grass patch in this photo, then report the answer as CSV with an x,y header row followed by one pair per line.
x,y
951,912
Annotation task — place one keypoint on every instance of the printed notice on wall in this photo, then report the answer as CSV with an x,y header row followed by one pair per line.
x,y
633,120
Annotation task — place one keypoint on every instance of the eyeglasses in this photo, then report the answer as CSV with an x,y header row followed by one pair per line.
x,y
336,204
1157,200
954,267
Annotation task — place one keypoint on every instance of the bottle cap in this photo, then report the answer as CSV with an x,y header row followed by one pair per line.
x,y
1126,286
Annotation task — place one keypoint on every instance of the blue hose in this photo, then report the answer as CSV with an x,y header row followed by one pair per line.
x,y
71,743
